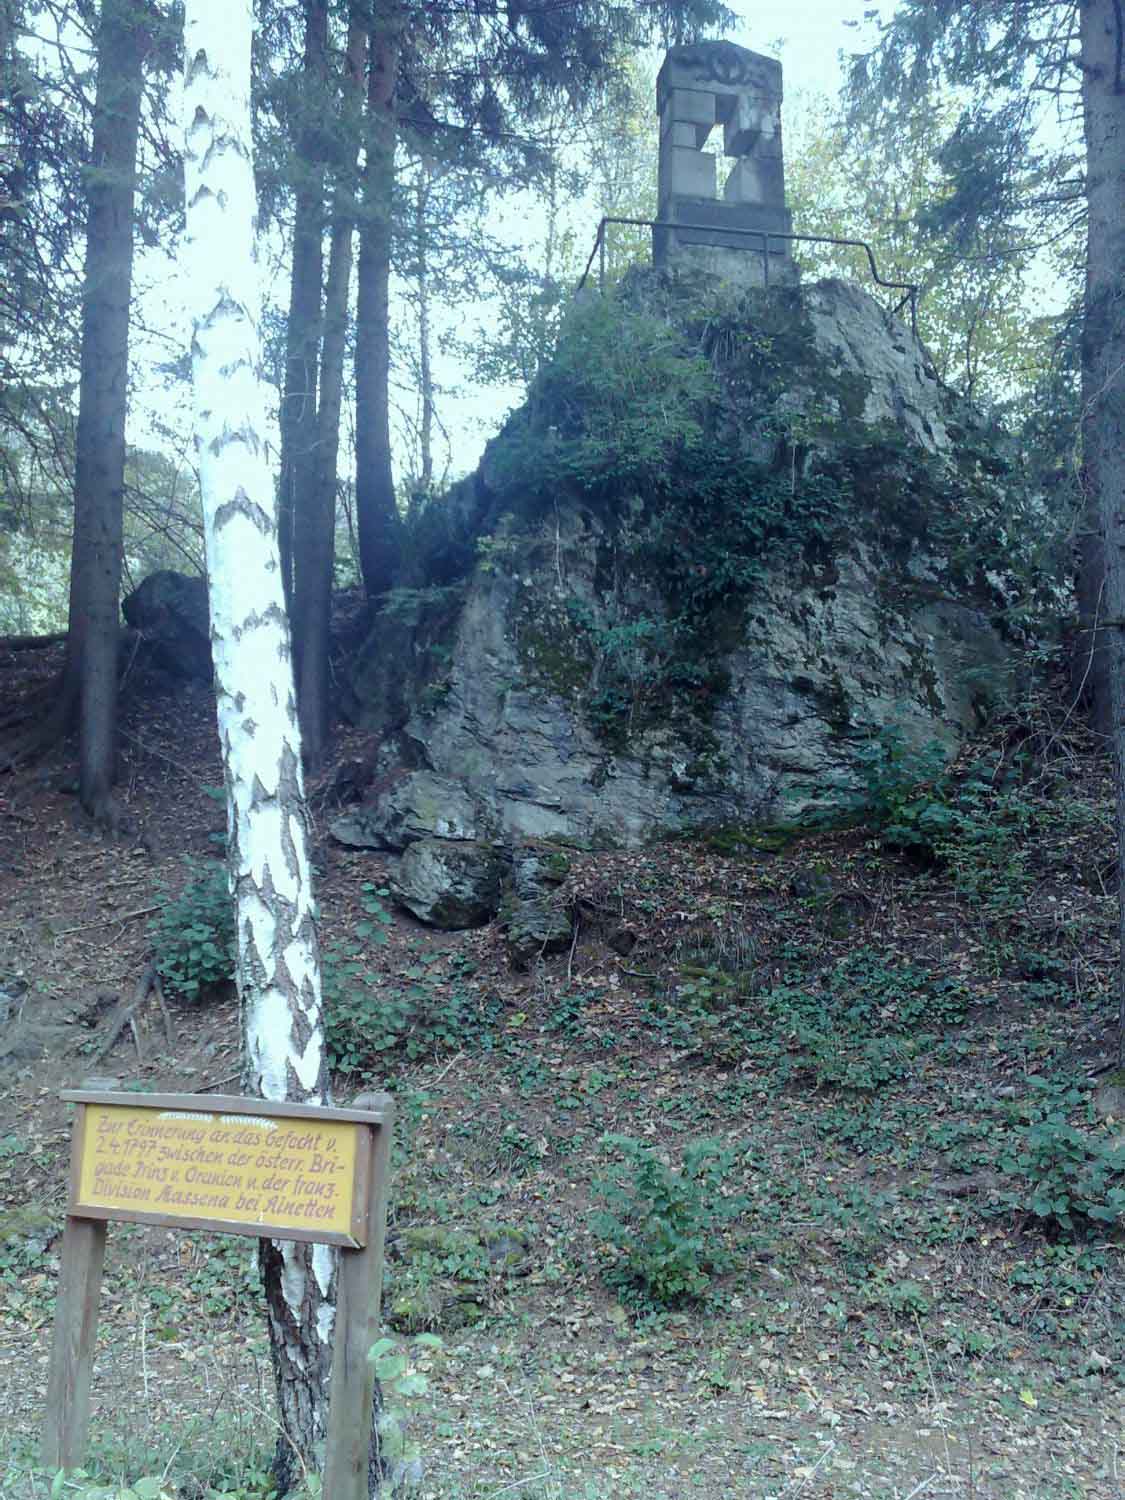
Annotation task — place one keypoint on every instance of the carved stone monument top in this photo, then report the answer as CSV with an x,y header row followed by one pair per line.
x,y
719,65
700,87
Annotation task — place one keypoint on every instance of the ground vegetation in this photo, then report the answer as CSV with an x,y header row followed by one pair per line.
x,y
800,1170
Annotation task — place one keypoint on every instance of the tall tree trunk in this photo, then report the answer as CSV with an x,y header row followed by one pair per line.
x,y
302,338
12,169
314,533
425,364
90,682
1103,363
376,510
278,962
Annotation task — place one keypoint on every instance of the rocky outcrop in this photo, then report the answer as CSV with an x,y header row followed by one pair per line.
x,y
901,390
578,690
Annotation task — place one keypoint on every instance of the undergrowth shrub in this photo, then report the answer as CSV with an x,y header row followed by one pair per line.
x,y
239,1468
368,1017
623,397
1052,1160
399,1384
904,793
973,822
662,1228
225,1457
1055,1286
193,938
1066,1176
864,1024
250,1482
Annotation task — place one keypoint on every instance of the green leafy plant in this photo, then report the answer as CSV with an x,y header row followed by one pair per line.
x,y
861,1027
368,1016
662,1228
968,1343
193,935
399,1383
1059,1277
624,392
1063,1175
1053,1162
515,1151
904,792
974,823
226,1456
378,919
905,1299
77,1486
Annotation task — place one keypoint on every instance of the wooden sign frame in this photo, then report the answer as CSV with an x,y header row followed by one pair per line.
x,y
359,1283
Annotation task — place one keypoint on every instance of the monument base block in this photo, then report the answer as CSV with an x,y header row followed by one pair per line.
x,y
728,240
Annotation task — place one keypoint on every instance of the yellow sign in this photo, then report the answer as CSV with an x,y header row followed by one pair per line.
x,y
219,1169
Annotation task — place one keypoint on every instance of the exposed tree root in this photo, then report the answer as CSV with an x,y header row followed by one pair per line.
x,y
125,1016
47,717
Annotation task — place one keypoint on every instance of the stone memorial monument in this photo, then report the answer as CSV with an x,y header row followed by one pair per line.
x,y
699,87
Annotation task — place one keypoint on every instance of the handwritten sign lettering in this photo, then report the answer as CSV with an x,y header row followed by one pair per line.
x,y
227,1169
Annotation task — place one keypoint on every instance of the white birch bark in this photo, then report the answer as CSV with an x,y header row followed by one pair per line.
x,y
278,956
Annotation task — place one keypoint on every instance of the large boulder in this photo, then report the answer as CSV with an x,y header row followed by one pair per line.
x,y
413,805
625,661
452,885
170,610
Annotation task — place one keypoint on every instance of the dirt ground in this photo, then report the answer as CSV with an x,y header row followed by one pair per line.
x,y
887,1316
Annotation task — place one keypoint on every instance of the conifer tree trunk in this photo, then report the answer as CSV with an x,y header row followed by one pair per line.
x,y
90,681
376,511
302,338
1103,362
315,521
278,962
425,361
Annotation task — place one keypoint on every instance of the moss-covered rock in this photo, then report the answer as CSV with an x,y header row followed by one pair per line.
x,y
450,884
536,928
442,1278
725,544
413,805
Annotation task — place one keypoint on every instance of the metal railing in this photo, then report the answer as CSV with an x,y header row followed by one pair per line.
x,y
910,288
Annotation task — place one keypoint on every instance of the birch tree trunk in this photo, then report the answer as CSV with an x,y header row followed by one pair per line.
x,y
278,961
1103,366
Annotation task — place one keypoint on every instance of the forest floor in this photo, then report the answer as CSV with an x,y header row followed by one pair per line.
x,y
910,1279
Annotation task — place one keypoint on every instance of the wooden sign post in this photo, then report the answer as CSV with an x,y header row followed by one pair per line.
x,y
238,1166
